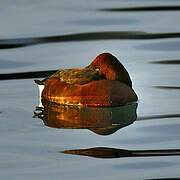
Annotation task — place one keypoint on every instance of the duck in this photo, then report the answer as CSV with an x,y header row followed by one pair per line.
x,y
104,82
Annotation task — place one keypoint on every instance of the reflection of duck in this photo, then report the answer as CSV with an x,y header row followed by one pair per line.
x,y
105,82
101,120
104,152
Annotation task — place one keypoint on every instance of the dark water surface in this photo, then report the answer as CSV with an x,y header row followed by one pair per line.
x,y
138,141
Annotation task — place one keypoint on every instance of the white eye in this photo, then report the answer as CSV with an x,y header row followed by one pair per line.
x,y
97,69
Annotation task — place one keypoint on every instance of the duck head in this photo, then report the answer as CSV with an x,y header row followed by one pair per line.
x,y
108,66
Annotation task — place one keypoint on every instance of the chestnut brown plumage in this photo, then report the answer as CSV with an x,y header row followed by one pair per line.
x,y
109,66
105,82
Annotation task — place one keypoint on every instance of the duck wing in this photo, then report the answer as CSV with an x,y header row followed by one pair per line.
x,y
77,75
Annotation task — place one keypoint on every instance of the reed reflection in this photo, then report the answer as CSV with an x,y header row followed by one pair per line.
x,y
100,120
142,8
167,87
89,36
105,153
167,62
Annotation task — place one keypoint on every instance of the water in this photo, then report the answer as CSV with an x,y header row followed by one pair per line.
x,y
40,37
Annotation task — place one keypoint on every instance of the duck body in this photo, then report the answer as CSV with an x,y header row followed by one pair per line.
x,y
105,82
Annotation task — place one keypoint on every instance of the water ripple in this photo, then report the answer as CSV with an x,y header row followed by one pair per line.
x,y
164,179
89,36
143,8
175,61
167,87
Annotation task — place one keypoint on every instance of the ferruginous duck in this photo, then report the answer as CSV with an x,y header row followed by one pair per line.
x,y
105,82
